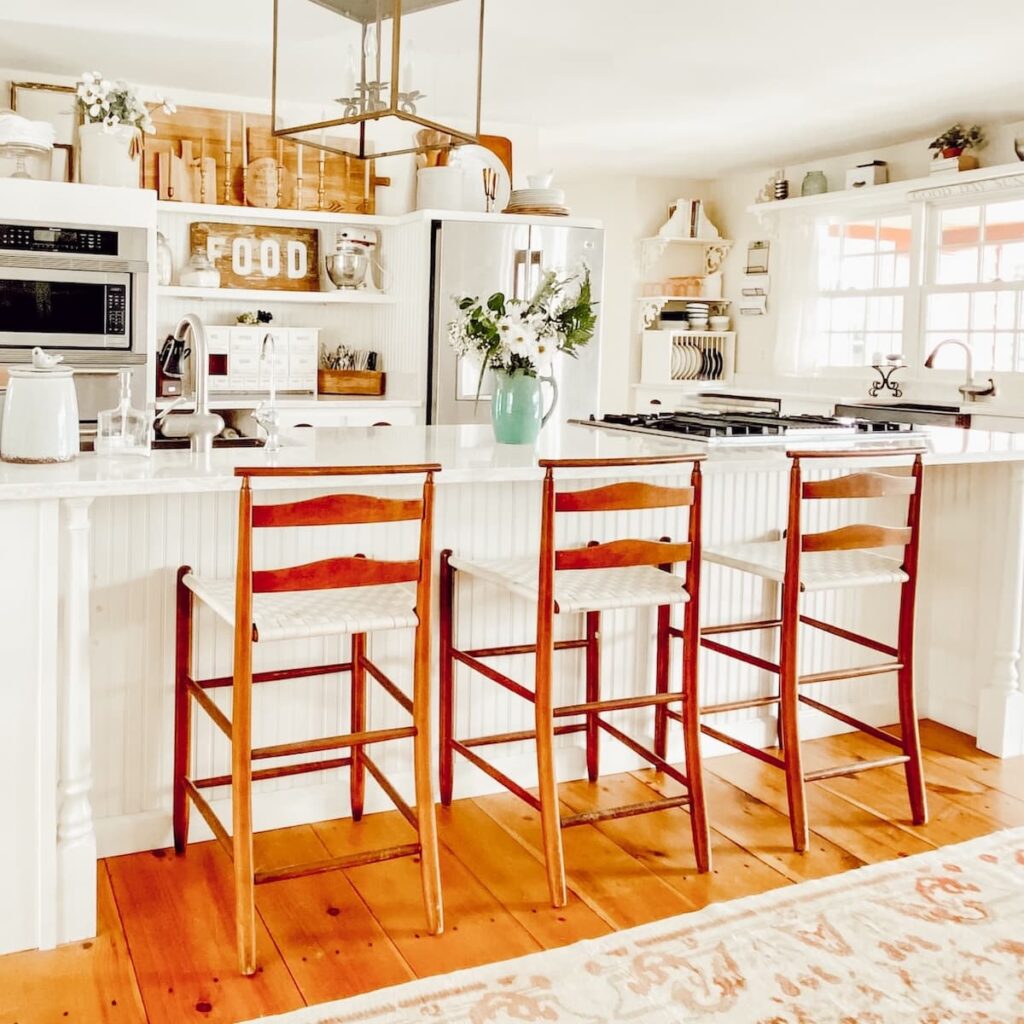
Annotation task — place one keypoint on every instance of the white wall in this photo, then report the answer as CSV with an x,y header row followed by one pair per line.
x,y
631,208
730,196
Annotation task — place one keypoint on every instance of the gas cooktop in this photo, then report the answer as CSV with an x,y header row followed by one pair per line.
x,y
751,427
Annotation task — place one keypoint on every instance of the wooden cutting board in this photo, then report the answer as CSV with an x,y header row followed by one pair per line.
x,y
501,147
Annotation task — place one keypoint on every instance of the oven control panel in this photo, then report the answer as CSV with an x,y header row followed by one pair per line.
x,y
73,241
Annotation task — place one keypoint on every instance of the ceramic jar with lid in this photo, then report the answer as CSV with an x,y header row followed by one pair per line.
x,y
40,421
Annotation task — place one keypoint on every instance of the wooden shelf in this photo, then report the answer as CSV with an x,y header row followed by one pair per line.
x,y
268,295
231,211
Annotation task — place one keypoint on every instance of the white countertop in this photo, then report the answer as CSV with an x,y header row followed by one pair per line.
x,y
468,454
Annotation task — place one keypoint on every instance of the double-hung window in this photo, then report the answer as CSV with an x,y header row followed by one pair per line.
x,y
974,283
863,280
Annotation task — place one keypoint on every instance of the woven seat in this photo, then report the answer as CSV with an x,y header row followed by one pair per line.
x,y
579,590
819,570
294,615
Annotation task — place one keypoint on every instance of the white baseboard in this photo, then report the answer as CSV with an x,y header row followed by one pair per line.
x,y
321,801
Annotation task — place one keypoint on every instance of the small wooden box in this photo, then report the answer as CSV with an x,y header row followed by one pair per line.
x,y
350,382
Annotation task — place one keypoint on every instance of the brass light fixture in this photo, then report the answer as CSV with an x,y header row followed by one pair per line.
x,y
370,78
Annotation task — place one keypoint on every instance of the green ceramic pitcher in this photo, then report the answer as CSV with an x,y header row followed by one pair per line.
x,y
517,408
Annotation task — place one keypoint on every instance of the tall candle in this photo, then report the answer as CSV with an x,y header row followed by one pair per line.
x,y
300,148
245,143
227,134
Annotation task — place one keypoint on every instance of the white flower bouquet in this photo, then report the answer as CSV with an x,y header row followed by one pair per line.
x,y
114,104
509,335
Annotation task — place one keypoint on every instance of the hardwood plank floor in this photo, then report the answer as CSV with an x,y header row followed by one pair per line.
x,y
165,952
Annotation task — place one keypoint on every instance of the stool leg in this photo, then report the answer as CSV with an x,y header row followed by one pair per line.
x,y
788,708
182,709
593,692
914,768
691,737
241,806
357,772
426,821
550,819
661,667
446,673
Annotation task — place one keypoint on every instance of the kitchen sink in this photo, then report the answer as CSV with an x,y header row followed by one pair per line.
x,y
923,413
162,444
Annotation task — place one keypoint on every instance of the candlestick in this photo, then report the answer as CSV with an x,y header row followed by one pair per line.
x,y
280,171
245,162
298,177
320,182
203,176
228,197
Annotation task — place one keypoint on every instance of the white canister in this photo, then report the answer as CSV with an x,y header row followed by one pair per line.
x,y
440,188
40,421
110,156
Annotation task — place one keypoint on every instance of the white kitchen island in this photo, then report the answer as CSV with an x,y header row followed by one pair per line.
x,y
90,548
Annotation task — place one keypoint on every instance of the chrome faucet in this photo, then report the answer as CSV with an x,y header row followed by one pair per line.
x,y
266,414
970,389
201,425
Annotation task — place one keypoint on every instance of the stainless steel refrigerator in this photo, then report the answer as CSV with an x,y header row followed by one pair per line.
x,y
480,258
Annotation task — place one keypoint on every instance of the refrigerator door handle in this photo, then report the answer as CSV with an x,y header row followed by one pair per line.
x,y
520,274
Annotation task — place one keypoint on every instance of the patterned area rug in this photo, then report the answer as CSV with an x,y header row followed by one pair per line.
x,y
931,939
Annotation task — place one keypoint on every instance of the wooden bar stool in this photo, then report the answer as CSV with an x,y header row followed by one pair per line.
x,y
351,595
620,573
830,560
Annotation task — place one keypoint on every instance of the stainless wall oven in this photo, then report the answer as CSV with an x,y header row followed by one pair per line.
x,y
82,292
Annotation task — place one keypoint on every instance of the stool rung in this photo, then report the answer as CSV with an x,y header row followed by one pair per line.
x,y
382,780
493,674
845,634
209,817
500,652
387,684
738,655
206,703
496,774
332,864
516,737
853,769
740,627
648,755
617,704
276,675
625,811
731,741
275,773
351,739
862,672
864,727
735,705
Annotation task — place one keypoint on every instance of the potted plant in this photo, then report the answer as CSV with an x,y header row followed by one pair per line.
x,y
953,141
517,340
110,135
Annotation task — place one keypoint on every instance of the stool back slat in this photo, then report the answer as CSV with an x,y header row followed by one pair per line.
x,y
335,574
856,537
623,496
860,485
620,553
337,510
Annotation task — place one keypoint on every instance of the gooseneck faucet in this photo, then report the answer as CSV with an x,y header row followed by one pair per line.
x,y
970,389
201,425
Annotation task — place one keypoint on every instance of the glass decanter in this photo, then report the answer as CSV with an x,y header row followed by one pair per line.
x,y
123,430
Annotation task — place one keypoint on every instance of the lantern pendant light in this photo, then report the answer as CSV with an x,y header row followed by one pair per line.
x,y
373,78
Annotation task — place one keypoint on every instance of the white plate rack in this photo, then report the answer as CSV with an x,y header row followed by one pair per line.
x,y
681,357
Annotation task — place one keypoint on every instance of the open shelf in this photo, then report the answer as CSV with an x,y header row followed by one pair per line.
x,y
670,240
269,295
233,211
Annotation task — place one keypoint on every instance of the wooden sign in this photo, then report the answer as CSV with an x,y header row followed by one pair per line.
x,y
261,255
349,184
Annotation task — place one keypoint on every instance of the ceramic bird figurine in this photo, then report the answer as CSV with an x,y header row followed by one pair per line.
x,y
43,360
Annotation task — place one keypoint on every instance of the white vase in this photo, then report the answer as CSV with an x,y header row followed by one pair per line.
x,y
109,156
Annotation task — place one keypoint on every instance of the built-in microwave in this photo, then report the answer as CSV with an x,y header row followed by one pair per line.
x,y
80,292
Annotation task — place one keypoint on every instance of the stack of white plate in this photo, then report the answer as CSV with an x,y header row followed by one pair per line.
x,y
549,201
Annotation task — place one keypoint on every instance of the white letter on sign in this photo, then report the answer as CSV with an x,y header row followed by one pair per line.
x,y
297,259
270,258
241,257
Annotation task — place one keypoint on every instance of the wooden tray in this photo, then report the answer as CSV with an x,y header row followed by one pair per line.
x,y
350,382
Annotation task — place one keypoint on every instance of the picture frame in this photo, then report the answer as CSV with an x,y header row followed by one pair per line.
x,y
43,101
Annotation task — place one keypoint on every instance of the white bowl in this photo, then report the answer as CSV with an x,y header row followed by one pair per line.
x,y
719,323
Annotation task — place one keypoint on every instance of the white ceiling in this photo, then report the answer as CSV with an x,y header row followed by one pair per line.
x,y
648,86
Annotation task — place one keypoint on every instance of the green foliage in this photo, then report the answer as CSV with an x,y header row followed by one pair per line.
x,y
959,137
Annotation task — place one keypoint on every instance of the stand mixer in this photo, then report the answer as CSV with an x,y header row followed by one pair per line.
x,y
350,262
